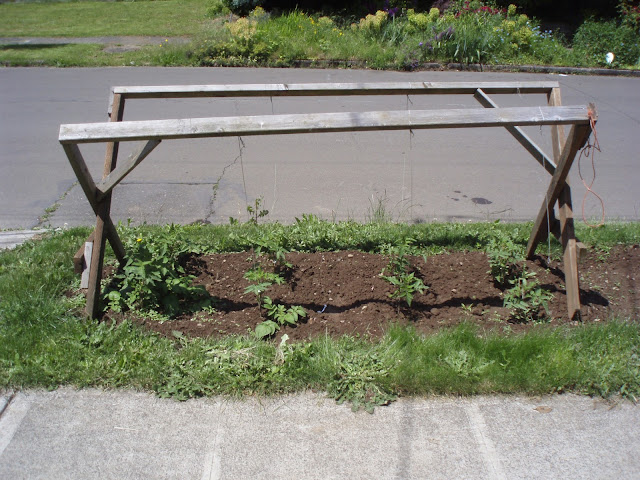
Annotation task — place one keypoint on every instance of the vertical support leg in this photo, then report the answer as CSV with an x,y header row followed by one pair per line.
x,y
565,213
102,218
570,256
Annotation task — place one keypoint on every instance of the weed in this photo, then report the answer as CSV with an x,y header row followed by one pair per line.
x,y
153,278
256,211
357,381
467,308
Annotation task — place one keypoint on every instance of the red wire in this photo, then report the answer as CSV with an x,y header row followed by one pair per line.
x,y
590,150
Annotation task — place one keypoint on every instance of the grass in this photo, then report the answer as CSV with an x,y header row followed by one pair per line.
x,y
88,55
45,342
91,19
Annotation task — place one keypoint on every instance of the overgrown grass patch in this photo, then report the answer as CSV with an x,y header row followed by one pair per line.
x,y
92,55
46,342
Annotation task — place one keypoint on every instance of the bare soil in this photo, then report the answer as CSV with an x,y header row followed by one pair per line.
x,y
343,293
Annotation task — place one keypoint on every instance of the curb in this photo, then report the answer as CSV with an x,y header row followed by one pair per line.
x,y
474,67
471,67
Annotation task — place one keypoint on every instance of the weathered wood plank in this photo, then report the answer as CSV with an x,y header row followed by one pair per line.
x,y
565,212
88,251
320,122
103,218
329,89
78,259
576,140
570,253
519,135
122,170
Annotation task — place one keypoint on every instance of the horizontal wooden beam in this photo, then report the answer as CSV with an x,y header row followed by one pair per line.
x,y
524,140
320,122
330,89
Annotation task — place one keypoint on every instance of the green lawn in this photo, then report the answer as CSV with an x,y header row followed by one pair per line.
x,y
90,19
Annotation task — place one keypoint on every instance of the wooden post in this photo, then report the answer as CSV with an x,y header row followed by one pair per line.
x,y
561,191
102,218
565,212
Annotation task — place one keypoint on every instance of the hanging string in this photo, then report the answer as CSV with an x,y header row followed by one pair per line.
x,y
240,156
409,102
546,198
410,175
590,151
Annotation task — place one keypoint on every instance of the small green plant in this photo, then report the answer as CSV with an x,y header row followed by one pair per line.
x,y
467,308
256,211
278,315
406,283
505,257
262,280
526,298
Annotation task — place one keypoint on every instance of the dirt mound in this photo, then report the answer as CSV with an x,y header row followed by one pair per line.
x,y
343,293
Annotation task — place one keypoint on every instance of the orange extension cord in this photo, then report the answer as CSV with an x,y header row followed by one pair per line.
x,y
590,151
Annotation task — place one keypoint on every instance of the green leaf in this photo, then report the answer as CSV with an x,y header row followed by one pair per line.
x,y
266,328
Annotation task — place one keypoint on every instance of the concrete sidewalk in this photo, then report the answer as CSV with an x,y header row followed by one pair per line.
x,y
12,238
122,434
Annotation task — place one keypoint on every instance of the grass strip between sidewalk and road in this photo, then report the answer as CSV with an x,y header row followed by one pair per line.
x,y
94,19
45,342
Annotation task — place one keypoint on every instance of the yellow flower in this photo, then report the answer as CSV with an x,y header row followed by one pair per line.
x,y
138,239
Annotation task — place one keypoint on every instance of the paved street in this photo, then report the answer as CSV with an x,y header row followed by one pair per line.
x,y
444,175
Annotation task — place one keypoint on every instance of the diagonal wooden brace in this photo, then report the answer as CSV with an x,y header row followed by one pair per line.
x,y
524,140
118,174
88,186
560,191
577,138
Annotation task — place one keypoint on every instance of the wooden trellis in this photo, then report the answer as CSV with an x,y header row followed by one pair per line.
x,y
89,259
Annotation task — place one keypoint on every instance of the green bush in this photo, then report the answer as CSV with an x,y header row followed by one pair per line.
x,y
595,39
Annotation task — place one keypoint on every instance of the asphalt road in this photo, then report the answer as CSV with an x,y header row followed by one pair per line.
x,y
444,175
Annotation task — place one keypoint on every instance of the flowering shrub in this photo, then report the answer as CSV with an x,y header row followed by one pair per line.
x,y
469,31
421,21
374,22
243,29
630,14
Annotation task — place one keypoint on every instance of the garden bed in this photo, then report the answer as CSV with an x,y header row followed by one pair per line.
x,y
343,293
